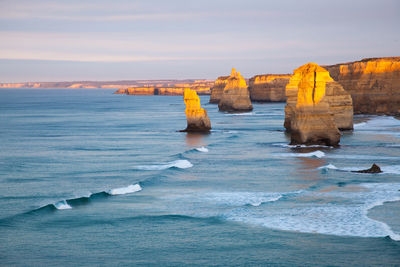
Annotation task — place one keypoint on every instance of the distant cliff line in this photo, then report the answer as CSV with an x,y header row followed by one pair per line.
x,y
110,84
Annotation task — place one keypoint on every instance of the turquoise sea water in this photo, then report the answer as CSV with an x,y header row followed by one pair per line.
x,y
92,178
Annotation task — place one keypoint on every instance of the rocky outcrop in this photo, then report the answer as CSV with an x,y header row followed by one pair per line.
x,y
312,122
374,169
374,84
235,97
268,87
197,118
218,89
339,100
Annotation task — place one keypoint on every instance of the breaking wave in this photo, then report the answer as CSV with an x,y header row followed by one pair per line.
x,y
180,164
315,154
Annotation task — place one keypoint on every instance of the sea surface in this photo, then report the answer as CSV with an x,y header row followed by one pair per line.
x,y
90,178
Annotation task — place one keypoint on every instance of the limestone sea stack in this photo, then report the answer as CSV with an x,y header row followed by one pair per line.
x,y
374,84
268,87
311,122
216,91
235,97
339,100
197,118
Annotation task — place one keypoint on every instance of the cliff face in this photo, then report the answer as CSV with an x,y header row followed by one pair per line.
x,y
217,90
268,87
373,83
340,102
197,118
311,121
235,97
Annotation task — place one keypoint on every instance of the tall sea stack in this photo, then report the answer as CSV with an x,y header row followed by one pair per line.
x,y
197,118
235,97
339,100
312,122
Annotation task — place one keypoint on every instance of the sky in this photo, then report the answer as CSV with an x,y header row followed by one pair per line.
x,y
184,39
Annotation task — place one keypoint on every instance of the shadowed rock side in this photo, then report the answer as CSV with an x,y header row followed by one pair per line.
x,y
235,97
218,89
339,100
197,118
268,87
374,84
312,123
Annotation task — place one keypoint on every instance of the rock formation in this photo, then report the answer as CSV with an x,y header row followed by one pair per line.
x,y
235,97
374,169
197,118
216,91
311,121
268,87
339,100
374,84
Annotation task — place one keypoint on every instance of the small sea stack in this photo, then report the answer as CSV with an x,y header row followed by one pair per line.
x,y
197,118
374,169
312,122
235,97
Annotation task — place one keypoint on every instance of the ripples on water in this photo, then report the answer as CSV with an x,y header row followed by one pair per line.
x,y
114,168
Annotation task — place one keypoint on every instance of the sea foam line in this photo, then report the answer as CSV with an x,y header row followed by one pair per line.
x,y
66,204
180,164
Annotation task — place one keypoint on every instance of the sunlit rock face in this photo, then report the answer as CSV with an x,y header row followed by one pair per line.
x,y
197,118
268,87
339,100
235,97
218,89
312,122
374,84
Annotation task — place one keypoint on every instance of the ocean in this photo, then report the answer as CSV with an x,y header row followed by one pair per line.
x,y
90,178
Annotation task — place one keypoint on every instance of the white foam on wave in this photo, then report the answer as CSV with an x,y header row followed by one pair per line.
x,y
240,198
181,164
202,149
125,190
62,205
299,146
329,166
359,125
347,216
240,114
316,154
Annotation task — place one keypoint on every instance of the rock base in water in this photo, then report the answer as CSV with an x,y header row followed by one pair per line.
x,y
374,169
314,126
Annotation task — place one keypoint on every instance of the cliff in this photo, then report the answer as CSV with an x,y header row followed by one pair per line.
x,y
339,100
197,118
235,96
312,122
268,87
374,84
218,89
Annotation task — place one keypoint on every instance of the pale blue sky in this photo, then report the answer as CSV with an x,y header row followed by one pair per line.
x,y
178,39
